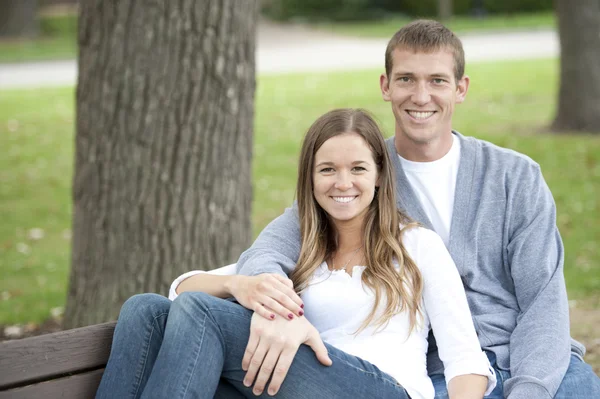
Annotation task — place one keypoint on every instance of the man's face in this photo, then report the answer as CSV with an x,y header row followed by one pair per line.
x,y
423,92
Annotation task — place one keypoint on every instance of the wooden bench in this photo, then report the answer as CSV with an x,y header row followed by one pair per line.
x,y
66,364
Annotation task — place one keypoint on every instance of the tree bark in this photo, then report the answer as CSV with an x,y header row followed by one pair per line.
x,y
578,107
444,9
162,185
18,18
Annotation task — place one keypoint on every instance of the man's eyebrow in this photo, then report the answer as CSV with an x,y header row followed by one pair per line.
x,y
433,75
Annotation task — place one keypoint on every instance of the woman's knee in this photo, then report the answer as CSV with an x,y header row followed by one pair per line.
x,y
144,306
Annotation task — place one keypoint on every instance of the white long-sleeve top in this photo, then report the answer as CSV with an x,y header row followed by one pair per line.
x,y
337,303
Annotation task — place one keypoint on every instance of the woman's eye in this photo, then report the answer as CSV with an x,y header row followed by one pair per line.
x,y
326,170
358,169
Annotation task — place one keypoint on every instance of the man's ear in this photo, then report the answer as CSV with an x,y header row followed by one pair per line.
x,y
461,89
384,84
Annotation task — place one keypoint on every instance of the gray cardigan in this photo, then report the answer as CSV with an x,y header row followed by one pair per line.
x,y
508,251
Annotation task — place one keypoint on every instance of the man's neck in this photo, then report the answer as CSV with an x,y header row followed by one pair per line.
x,y
423,151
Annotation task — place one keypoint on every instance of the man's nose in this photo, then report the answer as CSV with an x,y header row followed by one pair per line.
x,y
421,94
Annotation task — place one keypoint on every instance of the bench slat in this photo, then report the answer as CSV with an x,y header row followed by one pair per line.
x,y
80,386
35,359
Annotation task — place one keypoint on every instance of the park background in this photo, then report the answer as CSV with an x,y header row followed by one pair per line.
x,y
511,103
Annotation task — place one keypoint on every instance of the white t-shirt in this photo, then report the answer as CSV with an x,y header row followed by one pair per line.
x,y
434,184
337,303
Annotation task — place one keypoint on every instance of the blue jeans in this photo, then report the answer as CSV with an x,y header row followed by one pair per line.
x,y
193,348
579,382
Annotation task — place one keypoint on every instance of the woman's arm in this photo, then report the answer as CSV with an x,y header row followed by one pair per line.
x,y
256,293
219,286
467,386
446,306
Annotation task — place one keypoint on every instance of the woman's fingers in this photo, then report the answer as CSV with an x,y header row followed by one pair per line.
x,y
273,305
263,311
287,287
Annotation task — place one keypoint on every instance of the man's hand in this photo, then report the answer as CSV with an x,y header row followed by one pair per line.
x,y
272,347
264,291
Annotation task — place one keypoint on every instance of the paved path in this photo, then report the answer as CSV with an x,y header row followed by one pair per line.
x,y
283,49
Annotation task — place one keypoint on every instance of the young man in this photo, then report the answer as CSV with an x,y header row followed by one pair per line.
x,y
492,208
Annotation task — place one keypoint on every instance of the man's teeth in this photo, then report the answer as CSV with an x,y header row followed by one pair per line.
x,y
420,115
343,199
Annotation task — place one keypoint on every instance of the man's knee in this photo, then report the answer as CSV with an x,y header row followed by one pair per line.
x,y
580,381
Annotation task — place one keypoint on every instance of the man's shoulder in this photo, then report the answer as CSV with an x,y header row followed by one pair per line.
x,y
493,155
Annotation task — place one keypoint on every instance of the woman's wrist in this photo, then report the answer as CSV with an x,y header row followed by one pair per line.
x,y
231,283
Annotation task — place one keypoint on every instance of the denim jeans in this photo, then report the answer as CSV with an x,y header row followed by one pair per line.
x,y
579,382
193,348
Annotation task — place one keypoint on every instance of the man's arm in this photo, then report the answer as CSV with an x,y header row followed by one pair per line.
x,y
540,342
277,248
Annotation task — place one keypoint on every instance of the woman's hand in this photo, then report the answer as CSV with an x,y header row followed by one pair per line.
x,y
264,291
272,347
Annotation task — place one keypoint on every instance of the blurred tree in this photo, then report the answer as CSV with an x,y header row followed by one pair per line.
x,y
162,185
579,93
18,18
444,9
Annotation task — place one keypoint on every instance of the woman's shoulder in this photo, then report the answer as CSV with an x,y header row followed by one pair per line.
x,y
415,238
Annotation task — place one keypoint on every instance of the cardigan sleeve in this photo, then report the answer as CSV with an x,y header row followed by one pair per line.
x,y
277,248
540,343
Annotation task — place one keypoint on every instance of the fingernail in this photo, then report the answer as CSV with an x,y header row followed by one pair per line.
x,y
272,316
290,316
302,306
246,383
301,312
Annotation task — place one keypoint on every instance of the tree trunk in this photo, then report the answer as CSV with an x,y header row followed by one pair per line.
x,y
18,18
162,185
444,9
579,94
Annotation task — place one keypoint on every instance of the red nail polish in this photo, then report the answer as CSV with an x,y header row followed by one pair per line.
x,y
302,306
301,313
272,316
290,316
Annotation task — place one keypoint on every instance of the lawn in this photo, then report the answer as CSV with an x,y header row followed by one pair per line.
x,y
58,32
509,103
459,24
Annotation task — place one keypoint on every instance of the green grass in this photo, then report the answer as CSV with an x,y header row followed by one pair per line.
x,y
509,103
459,24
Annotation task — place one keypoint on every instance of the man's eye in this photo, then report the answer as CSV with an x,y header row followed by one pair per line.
x,y
404,79
439,81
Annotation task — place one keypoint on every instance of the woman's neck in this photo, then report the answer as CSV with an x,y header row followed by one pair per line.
x,y
349,236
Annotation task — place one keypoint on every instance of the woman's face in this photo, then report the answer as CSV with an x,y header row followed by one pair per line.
x,y
344,178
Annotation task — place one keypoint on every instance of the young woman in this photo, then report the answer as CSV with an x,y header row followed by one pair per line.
x,y
371,284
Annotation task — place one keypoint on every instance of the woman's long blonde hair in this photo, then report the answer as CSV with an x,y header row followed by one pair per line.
x,y
382,243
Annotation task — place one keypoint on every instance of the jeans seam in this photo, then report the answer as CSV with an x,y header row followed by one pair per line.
x,y
191,372
145,356
375,375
